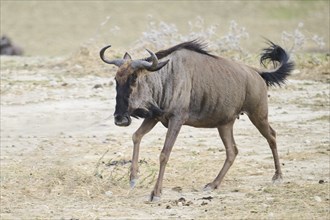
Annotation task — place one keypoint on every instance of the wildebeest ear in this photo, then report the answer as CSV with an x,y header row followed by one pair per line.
x,y
127,56
159,66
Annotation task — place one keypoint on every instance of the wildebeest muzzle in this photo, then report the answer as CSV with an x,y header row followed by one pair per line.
x,y
122,120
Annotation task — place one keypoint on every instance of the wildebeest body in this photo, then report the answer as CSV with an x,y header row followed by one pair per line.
x,y
205,95
185,85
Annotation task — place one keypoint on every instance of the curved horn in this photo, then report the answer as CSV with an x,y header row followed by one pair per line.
x,y
145,64
117,62
154,60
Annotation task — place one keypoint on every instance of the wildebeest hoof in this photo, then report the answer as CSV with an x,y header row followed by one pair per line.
x,y
208,188
277,179
153,197
133,183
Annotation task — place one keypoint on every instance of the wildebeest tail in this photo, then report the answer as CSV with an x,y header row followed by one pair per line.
x,y
280,59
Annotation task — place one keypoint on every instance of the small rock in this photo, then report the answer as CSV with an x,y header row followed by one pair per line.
x,y
295,72
177,189
108,193
317,199
181,200
204,203
207,198
99,176
321,181
97,86
168,207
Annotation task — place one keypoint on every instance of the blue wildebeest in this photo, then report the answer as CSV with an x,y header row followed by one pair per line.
x,y
8,48
186,85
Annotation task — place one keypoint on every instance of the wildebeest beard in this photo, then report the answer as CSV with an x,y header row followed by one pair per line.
x,y
151,111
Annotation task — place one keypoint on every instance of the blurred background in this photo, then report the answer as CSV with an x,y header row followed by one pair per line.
x,y
59,28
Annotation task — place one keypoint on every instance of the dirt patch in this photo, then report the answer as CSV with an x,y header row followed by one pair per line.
x,y
57,132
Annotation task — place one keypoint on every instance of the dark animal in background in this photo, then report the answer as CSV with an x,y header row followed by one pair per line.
x,y
8,48
186,85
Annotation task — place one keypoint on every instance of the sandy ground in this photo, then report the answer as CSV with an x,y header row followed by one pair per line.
x,y
62,157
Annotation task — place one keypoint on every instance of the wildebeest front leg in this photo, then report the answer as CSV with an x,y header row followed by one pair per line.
x,y
145,127
174,127
226,134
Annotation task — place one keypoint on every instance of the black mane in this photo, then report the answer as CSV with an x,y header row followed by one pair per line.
x,y
194,45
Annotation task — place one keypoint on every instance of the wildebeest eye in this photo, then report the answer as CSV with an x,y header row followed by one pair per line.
x,y
132,78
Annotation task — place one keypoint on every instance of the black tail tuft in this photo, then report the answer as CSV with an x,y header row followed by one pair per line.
x,y
276,54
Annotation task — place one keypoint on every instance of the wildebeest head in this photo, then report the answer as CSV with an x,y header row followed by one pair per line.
x,y
126,80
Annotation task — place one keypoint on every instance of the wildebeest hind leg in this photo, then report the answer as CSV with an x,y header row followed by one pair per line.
x,y
269,133
145,127
226,134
